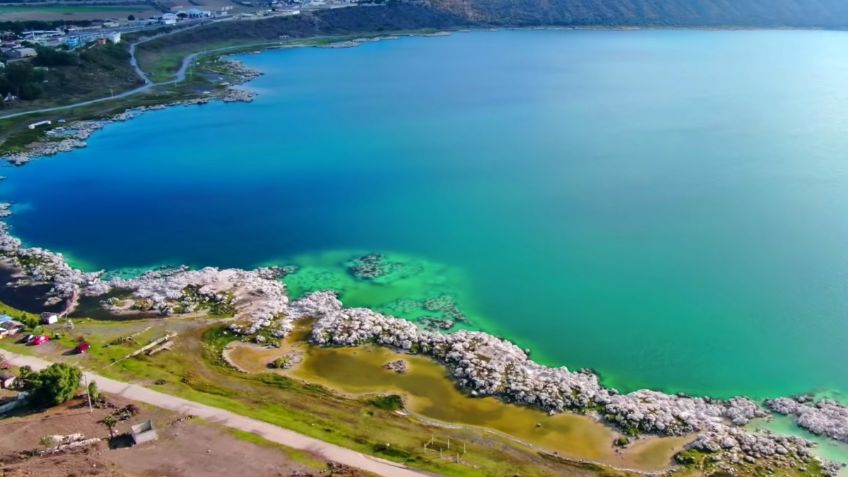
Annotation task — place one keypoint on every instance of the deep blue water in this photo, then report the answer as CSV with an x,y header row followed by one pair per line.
x,y
668,207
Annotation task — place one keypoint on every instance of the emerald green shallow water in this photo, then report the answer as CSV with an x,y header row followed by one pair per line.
x,y
667,207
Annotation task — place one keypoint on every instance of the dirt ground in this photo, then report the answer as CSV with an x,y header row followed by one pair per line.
x,y
75,12
185,448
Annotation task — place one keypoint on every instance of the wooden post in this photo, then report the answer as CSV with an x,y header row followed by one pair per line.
x,y
88,393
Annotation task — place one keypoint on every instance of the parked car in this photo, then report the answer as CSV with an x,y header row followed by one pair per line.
x,y
40,340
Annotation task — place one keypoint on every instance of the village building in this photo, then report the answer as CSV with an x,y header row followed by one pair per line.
x,y
168,19
10,328
21,53
49,318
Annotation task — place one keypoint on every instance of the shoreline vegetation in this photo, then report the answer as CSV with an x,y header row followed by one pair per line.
x,y
481,365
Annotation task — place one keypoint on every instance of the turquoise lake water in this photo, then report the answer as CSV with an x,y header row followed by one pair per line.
x,y
669,208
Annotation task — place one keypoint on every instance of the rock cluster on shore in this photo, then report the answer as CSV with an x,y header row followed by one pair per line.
x,y
43,266
482,364
256,296
824,417
488,366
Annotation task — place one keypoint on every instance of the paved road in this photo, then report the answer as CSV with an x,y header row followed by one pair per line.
x,y
148,84
235,421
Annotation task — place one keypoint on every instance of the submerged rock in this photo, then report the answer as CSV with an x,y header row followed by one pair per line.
x,y
399,366
432,323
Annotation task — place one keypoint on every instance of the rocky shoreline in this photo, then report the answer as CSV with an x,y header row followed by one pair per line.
x,y
824,417
70,136
481,364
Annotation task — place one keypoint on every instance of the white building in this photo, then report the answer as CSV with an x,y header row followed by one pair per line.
x,y
168,19
48,318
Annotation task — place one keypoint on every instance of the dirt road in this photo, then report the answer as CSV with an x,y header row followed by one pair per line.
x,y
268,431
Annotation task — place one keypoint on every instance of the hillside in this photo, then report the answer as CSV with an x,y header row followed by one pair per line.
x,y
396,15
764,13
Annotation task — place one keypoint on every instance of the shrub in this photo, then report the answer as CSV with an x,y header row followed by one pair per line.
x,y
392,402
93,391
53,386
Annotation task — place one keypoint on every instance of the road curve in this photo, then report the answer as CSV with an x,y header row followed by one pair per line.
x,y
148,84
234,421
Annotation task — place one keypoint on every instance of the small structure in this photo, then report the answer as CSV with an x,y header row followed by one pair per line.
x,y
7,379
38,124
72,41
144,432
22,52
168,19
49,318
10,328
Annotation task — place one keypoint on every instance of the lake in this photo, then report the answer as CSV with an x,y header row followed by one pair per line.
x,y
665,207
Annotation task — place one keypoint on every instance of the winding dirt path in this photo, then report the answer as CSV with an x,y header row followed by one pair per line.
x,y
226,418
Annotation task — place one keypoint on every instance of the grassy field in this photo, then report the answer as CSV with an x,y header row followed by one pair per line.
x,y
74,12
195,370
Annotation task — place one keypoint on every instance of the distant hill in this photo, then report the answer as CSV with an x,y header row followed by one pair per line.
x,y
408,15
765,13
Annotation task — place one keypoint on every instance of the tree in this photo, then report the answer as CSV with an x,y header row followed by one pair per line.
x,y
24,373
21,78
110,422
53,386
93,391
54,57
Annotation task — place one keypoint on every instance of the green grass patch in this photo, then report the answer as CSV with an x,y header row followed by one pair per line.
x,y
391,402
